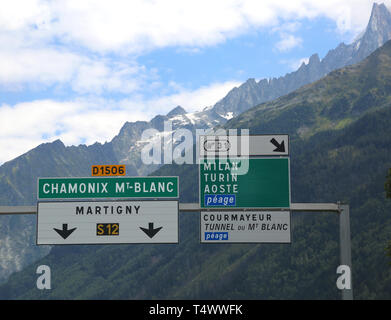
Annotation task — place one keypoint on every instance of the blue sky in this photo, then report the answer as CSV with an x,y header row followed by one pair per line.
x,y
77,70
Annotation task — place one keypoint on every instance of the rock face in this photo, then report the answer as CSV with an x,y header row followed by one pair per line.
x,y
331,103
252,93
377,33
18,177
349,164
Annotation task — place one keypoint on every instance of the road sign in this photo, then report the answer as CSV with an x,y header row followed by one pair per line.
x,y
107,222
107,187
245,227
266,183
108,170
254,145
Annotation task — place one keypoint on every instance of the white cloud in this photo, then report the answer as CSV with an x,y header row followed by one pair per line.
x,y
194,100
297,64
23,126
288,42
67,42
291,26
43,67
18,14
92,47
99,76
133,26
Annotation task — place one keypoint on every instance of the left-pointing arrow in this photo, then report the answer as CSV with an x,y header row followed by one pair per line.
x,y
64,233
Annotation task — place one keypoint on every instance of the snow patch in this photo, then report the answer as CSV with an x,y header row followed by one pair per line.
x,y
192,117
228,115
181,119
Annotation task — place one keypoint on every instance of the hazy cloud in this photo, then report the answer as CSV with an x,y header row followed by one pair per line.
x,y
288,42
25,125
92,47
88,44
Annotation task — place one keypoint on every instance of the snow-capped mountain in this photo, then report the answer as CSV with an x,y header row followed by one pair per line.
x,y
252,93
18,177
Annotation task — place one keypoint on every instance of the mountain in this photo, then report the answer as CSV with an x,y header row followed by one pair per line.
x,y
127,144
330,103
252,92
343,156
18,187
18,176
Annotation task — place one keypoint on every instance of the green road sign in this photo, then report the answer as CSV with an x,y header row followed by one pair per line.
x,y
108,187
265,185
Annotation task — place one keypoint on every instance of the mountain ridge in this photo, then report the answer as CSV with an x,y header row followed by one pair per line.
x,y
348,164
18,176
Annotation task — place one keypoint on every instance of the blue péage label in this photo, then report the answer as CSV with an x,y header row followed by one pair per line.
x,y
226,200
216,235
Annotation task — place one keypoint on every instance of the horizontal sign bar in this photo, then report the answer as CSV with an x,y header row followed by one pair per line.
x,y
245,227
109,187
18,210
195,207
108,170
107,222
255,145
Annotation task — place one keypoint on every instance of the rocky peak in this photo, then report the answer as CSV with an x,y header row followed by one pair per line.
x,y
379,16
314,59
379,26
250,83
176,112
376,34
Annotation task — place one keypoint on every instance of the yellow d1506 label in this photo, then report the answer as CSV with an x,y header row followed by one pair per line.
x,y
108,170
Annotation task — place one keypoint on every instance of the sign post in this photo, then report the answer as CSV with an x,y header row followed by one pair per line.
x,y
345,246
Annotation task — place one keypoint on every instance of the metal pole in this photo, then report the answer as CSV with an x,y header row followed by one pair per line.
x,y
342,209
18,210
345,246
195,207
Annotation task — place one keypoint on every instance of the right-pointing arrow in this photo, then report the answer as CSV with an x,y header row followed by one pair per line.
x,y
150,232
280,147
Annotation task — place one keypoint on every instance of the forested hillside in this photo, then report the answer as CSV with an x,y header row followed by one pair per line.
x,y
340,131
349,165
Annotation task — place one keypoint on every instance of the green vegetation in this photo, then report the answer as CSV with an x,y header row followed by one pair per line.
x,y
331,103
354,157
343,159
387,185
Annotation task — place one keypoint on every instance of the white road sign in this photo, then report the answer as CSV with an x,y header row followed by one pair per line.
x,y
254,145
107,222
245,227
